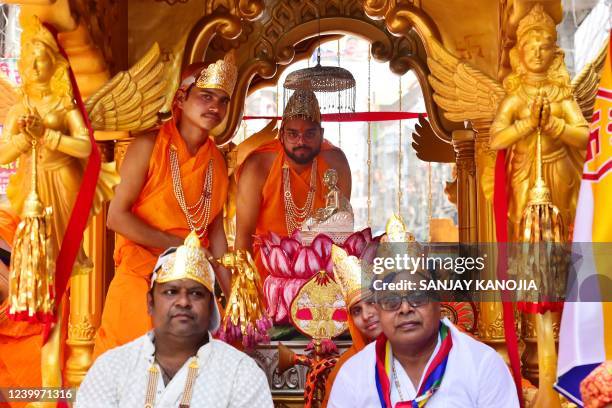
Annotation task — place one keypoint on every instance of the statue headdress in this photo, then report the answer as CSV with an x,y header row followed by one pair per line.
x,y
34,30
221,74
303,104
538,19
188,262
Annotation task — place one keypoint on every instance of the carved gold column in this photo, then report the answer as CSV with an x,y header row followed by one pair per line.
x,y
491,316
529,358
88,286
485,158
91,73
491,327
463,142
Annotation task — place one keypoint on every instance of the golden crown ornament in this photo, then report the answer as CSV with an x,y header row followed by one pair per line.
x,y
538,19
220,75
187,262
303,104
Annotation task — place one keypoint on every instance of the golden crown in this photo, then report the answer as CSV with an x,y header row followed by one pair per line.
x,y
303,104
538,19
220,75
187,262
348,274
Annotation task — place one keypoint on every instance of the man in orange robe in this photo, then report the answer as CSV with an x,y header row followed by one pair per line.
x,y
171,183
274,182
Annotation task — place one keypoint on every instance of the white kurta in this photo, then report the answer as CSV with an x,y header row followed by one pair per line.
x,y
226,378
476,376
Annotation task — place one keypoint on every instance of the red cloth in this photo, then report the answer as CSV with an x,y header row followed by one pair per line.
x,y
355,116
500,209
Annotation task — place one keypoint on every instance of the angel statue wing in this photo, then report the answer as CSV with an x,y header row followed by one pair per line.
x,y
465,93
8,96
131,99
428,146
585,84
462,91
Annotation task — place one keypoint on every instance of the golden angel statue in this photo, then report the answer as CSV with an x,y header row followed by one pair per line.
x,y
46,132
540,117
44,111
537,93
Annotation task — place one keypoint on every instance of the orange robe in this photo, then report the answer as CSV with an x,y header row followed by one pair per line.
x,y
20,342
272,210
125,314
359,342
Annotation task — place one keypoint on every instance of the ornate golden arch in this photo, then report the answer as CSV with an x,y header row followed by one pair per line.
x,y
267,44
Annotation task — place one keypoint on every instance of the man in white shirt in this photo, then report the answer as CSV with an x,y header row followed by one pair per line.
x,y
178,363
421,357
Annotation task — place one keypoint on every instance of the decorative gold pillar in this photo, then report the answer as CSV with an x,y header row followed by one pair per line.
x,y
491,327
80,326
87,289
485,159
529,359
91,73
463,142
491,315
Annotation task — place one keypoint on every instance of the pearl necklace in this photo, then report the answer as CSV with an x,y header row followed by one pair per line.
x,y
197,215
294,215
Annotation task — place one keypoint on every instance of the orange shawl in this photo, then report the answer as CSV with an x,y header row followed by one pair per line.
x,y
125,311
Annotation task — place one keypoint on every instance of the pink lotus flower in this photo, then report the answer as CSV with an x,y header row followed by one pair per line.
x,y
291,264
356,242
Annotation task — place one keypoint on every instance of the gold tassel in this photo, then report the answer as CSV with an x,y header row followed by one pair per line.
x,y
541,224
31,279
245,314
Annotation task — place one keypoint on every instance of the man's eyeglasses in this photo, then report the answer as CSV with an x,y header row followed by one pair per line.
x,y
393,301
308,136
